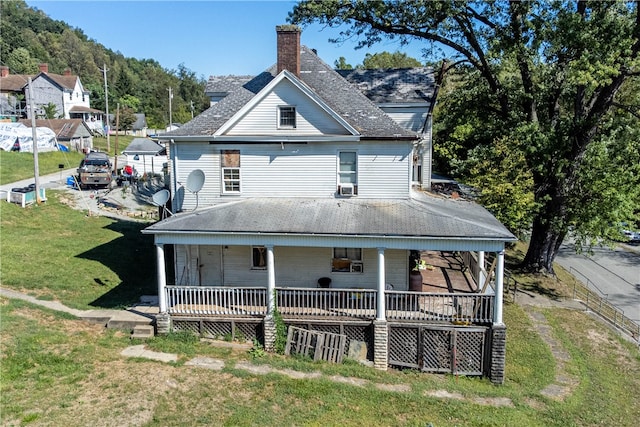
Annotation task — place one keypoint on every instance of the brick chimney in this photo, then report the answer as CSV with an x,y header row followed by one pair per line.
x,y
288,48
44,67
66,72
4,71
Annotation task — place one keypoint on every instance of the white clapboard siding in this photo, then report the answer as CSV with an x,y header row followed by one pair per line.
x,y
410,118
193,156
294,170
302,267
384,170
311,119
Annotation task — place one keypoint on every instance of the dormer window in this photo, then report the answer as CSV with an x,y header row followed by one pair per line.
x,y
287,117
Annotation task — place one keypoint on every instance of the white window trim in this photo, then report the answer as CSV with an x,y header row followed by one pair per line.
x,y
295,117
254,267
224,181
355,266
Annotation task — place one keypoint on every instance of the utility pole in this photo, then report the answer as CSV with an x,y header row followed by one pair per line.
x,y
170,98
192,109
36,168
106,103
115,161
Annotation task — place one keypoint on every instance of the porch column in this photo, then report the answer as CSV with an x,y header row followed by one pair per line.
x,y
271,281
497,310
162,278
380,309
481,271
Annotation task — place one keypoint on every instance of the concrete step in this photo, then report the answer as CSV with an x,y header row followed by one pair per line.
x,y
143,332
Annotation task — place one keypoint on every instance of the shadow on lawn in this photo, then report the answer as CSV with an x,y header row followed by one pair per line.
x,y
132,258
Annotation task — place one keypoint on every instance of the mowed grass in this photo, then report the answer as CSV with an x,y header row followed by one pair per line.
x,y
55,252
16,166
57,370
60,371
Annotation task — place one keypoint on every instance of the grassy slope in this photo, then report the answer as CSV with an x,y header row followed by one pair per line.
x,y
58,253
15,166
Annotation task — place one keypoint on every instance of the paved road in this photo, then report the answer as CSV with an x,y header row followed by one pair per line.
x,y
613,273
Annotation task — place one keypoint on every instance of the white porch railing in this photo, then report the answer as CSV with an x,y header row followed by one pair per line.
x,y
425,306
200,300
330,303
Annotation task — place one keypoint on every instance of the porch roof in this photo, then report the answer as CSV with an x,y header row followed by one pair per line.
x,y
420,216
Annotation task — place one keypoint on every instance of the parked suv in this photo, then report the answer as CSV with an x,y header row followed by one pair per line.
x,y
95,170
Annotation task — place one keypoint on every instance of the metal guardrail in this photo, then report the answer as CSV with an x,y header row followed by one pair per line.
x,y
606,310
595,303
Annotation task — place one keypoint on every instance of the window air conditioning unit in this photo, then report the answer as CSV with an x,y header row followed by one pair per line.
x,y
356,267
346,189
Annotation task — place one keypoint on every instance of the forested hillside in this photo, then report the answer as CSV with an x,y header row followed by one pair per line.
x,y
29,37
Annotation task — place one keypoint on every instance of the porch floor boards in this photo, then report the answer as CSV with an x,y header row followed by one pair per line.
x,y
449,274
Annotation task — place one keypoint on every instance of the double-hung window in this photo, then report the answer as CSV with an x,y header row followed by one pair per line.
x,y
286,117
347,260
258,257
348,170
230,165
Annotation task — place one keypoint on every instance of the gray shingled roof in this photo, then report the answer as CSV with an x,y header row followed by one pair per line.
x,y
396,85
143,146
225,84
341,96
422,215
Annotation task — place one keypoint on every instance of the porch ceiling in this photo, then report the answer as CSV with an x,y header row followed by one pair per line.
x,y
421,216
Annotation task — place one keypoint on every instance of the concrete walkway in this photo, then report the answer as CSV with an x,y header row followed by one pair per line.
x,y
140,314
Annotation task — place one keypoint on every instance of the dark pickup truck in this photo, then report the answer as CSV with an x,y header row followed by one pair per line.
x,y
95,170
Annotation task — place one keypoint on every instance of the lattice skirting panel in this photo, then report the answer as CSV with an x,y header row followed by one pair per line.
x,y
354,331
459,350
234,328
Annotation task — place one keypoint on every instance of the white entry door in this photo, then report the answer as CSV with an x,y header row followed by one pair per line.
x,y
210,262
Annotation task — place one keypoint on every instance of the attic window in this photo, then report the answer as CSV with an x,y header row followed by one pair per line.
x,y
287,117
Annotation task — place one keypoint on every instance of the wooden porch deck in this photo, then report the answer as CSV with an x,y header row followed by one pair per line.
x,y
449,274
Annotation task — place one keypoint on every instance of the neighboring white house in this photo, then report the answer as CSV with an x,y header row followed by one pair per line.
x,y
146,156
293,181
65,91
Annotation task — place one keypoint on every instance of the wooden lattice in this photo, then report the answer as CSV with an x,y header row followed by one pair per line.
x,y
438,348
404,346
315,344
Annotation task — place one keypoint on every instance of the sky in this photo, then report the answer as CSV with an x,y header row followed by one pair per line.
x,y
210,37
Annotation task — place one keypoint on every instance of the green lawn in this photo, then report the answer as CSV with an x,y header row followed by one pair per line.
x,y
16,166
54,252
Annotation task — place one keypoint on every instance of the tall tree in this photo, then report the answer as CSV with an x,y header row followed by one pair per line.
x,y
551,73
389,60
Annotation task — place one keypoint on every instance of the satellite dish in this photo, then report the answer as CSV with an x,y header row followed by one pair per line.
x,y
195,181
160,199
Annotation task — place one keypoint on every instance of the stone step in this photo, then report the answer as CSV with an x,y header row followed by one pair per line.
x,y
143,331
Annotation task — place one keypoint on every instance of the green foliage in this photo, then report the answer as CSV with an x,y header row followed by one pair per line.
x,y
50,110
257,350
341,64
546,85
28,37
389,60
281,332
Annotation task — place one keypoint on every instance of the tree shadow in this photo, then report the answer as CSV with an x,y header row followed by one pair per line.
x,y
132,258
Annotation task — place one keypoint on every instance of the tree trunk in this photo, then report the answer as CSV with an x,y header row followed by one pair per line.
x,y
547,233
543,248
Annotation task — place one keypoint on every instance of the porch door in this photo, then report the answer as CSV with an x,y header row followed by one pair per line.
x,y
210,261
